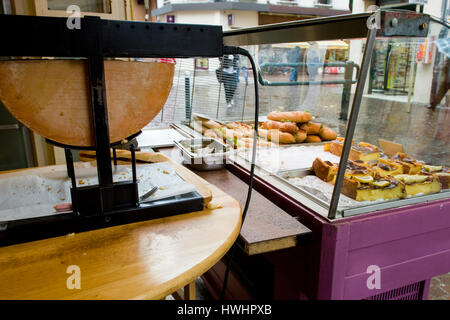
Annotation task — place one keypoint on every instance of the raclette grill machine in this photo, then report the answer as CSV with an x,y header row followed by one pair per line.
x,y
108,203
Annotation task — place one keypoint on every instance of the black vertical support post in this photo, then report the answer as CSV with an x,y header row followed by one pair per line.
x,y
100,113
187,94
347,90
134,176
115,156
71,174
70,168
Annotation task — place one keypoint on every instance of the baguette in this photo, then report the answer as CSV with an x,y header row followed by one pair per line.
x,y
290,116
282,126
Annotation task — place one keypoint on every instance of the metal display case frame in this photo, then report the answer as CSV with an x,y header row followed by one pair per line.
x,y
409,244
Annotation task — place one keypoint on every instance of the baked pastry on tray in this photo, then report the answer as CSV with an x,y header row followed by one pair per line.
x,y
419,184
440,172
410,165
386,167
362,151
325,170
369,188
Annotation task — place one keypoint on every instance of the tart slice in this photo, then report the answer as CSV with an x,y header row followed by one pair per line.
x,y
385,167
440,172
362,151
410,165
419,184
368,188
325,170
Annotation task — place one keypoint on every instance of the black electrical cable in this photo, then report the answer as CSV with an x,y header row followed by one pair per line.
x,y
243,52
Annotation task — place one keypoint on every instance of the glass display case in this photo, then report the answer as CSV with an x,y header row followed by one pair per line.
x,y
396,108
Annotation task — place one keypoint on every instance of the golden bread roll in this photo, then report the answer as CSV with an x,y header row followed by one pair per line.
x,y
282,126
211,124
313,139
327,134
300,136
311,128
292,116
281,137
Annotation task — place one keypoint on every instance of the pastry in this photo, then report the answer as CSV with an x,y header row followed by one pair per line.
x,y
362,151
313,139
385,167
325,170
368,188
419,184
440,172
410,165
291,116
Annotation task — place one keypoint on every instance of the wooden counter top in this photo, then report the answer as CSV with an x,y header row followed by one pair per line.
x,y
144,260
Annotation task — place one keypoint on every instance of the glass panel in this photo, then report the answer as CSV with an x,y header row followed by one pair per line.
x,y
100,6
404,114
405,102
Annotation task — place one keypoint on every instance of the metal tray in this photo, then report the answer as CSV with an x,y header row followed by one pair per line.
x,y
357,208
212,161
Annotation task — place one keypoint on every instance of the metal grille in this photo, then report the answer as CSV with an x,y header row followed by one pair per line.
x,y
410,292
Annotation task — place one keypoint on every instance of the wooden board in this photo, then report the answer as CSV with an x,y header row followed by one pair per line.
x,y
51,96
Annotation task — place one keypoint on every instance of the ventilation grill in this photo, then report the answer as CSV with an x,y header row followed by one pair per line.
x,y
409,292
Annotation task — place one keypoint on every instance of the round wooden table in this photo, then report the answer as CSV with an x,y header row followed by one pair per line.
x,y
144,260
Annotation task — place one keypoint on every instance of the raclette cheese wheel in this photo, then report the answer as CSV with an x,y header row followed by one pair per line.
x,y
52,98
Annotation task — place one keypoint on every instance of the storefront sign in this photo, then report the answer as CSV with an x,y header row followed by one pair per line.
x,y
425,52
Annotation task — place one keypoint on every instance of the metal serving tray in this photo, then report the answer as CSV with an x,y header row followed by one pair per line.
x,y
346,211
212,161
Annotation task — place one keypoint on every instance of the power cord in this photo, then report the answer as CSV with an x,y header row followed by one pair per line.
x,y
243,52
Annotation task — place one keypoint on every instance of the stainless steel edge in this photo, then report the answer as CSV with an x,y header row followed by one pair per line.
x,y
395,203
351,125
328,28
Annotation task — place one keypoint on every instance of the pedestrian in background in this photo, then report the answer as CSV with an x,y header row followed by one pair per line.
x,y
226,74
294,57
